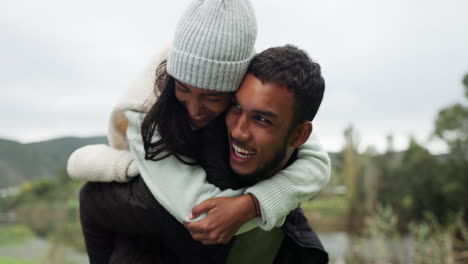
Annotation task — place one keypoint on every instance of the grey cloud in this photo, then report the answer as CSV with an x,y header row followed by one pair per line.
x,y
389,65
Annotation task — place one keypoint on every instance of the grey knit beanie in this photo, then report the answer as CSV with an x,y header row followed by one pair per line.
x,y
213,44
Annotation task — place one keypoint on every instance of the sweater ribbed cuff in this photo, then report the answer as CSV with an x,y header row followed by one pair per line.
x,y
276,197
207,74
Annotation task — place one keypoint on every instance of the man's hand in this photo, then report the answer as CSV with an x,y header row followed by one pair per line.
x,y
224,217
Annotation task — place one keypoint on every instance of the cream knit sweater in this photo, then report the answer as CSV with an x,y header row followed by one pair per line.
x,y
179,187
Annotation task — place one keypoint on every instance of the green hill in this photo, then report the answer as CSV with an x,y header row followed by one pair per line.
x,y
22,162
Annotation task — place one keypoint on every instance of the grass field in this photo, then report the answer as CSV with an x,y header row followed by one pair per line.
x,y
14,234
5,260
326,213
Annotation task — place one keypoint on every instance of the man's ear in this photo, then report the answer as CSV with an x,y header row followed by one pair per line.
x,y
301,134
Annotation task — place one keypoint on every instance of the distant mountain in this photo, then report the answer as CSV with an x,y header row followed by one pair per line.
x,y
22,162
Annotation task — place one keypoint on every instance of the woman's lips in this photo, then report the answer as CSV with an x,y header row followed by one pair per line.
x,y
200,120
200,117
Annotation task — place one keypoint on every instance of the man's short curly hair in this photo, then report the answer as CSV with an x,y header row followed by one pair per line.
x,y
292,68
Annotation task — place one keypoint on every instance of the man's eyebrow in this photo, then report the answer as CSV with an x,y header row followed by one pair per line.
x,y
260,112
266,113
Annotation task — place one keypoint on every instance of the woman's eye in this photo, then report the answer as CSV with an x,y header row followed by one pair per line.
x,y
213,99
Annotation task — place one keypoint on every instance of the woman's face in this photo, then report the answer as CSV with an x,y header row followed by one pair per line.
x,y
202,105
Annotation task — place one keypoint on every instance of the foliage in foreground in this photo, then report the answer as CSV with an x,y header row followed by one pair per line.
x,y
15,234
427,242
49,208
5,260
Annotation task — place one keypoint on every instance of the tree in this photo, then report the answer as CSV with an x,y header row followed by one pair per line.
x,y
452,127
350,174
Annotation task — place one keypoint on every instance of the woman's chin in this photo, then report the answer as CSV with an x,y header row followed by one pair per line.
x,y
198,123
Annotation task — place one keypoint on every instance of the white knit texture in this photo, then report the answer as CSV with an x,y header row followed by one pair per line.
x,y
101,163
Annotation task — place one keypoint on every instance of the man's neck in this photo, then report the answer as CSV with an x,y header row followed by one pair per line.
x,y
291,159
252,179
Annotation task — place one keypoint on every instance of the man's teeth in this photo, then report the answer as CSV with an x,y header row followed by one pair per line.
x,y
242,152
238,149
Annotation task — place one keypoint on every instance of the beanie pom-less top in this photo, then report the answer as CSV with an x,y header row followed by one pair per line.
x,y
213,44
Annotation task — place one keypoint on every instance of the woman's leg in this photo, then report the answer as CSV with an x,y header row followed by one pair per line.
x,y
129,208
110,208
138,249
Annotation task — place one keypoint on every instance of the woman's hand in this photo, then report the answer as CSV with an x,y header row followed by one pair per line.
x,y
224,217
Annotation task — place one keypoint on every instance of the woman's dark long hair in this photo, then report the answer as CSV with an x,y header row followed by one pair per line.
x,y
171,120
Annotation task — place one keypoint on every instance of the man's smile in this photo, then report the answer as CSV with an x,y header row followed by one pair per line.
x,y
239,153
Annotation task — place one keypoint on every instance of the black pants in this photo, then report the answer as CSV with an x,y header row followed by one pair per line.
x,y
124,223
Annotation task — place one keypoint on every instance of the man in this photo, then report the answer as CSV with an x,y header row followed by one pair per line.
x,y
270,117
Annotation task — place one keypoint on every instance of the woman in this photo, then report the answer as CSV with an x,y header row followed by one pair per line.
x,y
212,48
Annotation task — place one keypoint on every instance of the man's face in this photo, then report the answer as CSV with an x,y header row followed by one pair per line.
x,y
258,126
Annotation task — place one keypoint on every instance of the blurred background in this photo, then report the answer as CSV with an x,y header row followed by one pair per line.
x,y
394,118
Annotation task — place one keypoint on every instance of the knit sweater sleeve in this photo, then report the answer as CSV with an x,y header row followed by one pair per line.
x,y
290,187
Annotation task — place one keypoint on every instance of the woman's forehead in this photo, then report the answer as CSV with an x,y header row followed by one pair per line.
x,y
199,90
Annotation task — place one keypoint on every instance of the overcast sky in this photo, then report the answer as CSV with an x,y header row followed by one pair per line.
x,y
389,66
